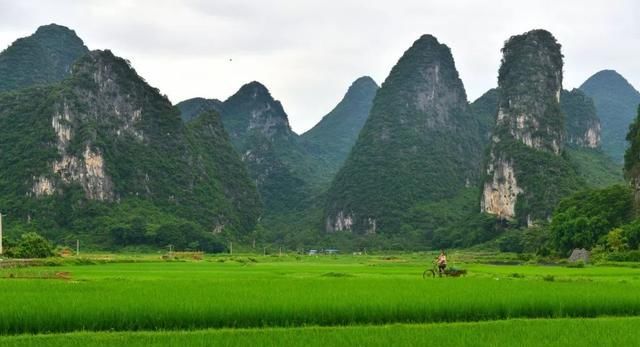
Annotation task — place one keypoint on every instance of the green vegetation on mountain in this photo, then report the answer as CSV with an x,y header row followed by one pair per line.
x,y
582,140
583,219
420,145
42,58
191,108
333,137
105,155
616,102
286,173
632,154
485,109
603,219
581,121
597,169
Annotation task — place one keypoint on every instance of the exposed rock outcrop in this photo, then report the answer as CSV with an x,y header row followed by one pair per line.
x,y
526,173
499,195
530,84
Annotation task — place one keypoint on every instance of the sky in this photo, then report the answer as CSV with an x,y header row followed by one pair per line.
x,y
308,52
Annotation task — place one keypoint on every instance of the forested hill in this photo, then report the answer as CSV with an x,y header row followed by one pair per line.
x,y
104,154
42,58
421,144
284,172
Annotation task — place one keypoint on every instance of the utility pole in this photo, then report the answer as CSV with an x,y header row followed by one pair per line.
x,y
77,248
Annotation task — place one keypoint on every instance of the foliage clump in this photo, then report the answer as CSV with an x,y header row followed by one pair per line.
x,y
30,245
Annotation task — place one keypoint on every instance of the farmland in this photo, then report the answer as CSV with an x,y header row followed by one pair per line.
x,y
266,299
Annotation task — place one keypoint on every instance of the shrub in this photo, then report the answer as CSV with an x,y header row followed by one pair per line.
x,y
624,256
32,245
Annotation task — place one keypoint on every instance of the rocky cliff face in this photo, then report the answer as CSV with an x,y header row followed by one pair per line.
x,y
616,101
105,136
333,137
530,82
42,58
582,122
525,166
420,144
78,114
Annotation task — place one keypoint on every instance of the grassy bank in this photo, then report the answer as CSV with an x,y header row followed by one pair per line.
x,y
543,332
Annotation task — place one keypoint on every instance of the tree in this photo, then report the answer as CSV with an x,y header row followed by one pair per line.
x,y
584,219
32,245
632,154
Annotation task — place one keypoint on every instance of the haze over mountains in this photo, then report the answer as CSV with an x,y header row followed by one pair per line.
x,y
91,149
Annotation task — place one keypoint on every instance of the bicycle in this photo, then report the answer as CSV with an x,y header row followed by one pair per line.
x,y
453,272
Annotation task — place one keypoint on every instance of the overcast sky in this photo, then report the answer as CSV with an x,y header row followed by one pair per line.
x,y
308,52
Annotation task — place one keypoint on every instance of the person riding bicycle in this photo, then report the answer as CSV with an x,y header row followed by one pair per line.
x,y
442,262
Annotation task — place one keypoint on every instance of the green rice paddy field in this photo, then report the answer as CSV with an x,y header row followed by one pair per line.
x,y
313,301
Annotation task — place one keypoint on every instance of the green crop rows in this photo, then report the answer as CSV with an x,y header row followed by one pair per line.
x,y
294,297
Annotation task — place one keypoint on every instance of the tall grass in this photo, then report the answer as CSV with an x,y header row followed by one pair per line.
x,y
557,332
194,296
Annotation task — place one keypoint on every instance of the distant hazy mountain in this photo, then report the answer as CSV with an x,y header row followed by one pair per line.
x,y
420,145
333,137
42,58
616,102
485,109
284,172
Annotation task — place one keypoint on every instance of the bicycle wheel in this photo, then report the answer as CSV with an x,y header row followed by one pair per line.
x,y
424,274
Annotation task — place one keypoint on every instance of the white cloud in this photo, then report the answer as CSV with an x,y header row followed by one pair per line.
x,y
308,52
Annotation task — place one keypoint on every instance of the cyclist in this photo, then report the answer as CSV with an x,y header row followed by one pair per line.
x,y
442,262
